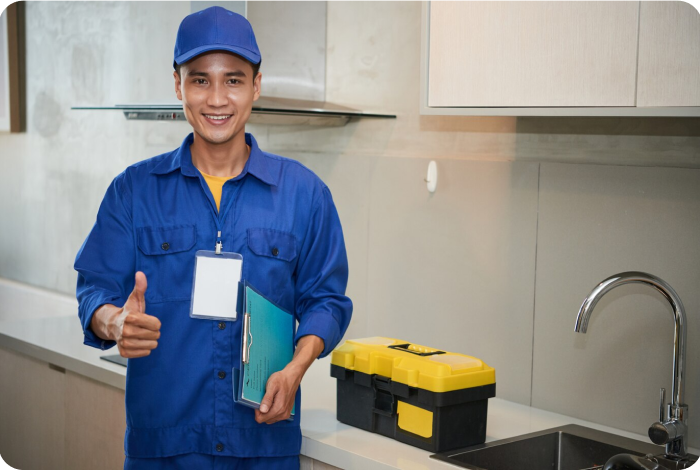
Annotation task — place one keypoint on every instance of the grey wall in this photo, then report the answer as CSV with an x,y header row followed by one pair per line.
x,y
529,214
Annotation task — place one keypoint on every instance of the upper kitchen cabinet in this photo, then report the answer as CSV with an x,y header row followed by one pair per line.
x,y
669,55
560,59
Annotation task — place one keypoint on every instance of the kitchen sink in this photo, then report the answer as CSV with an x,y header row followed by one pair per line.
x,y
570,447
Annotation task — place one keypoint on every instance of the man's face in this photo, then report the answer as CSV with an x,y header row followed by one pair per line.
x,y
217,90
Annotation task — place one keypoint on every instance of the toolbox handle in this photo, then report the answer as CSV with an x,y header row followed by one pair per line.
x,y
406,348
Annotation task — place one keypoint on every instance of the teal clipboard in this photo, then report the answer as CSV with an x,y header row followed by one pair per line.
x,y
267,346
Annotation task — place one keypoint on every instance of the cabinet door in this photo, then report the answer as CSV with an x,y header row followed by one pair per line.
x,y
32,417
669,55
515,54
95,424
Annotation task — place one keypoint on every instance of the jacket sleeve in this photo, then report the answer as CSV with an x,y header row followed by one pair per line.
x,y
322,308
106,260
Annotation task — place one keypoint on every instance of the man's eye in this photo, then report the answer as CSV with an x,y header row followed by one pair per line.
x,y
234,81
199,81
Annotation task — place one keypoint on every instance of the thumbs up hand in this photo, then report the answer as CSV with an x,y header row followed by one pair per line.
x,y
135,332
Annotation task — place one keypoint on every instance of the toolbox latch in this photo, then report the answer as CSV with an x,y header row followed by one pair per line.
x,y
383,398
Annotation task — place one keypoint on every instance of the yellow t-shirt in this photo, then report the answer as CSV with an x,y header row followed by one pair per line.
x,y
216,186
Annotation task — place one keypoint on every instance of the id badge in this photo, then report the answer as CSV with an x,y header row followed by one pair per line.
x,y
215,285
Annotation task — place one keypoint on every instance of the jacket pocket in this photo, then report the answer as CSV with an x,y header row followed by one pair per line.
x,y
271,263
167,259
272,243
166,240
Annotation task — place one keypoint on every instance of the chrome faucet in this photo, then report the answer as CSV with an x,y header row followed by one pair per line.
x,y
671,429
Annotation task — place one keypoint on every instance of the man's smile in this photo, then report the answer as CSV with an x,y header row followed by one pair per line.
x,y
217,117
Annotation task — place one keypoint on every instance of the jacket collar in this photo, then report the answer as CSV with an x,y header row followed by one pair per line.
x,y
258,164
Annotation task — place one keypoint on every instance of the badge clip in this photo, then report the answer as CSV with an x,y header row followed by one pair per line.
x,y
219,245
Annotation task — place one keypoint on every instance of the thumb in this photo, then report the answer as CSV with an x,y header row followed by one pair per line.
x,y
267,400
136,298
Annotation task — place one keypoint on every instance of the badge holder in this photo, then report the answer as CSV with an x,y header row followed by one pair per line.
x,y
216,286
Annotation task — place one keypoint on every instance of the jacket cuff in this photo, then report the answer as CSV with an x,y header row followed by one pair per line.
x,y
88,310
322,325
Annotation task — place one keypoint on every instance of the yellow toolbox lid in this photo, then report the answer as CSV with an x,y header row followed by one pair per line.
x,y
413,365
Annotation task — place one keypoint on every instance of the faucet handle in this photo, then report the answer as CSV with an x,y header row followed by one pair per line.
x,y
662,399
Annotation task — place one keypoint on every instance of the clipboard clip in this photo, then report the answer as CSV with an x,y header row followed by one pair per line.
x,y
247,343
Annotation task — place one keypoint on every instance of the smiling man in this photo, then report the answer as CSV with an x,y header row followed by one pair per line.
x,y
218,190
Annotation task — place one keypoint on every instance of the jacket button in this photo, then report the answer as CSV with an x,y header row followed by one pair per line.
x,y
222,374
165,246
219,447
222,325
275,252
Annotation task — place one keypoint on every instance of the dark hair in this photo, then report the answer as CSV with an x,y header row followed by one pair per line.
x,y
256,67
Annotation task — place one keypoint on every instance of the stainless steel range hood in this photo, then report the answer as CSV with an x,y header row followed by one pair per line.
x,y
266,110
292,38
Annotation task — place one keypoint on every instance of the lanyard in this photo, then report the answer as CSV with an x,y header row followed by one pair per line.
x,y
221,216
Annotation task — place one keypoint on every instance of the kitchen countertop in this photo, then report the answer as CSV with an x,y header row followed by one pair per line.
x,y
59,340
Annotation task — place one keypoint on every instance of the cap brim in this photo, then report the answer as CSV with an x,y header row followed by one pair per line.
x,y
245,53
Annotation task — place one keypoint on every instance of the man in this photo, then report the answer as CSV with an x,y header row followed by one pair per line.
x,y
135,269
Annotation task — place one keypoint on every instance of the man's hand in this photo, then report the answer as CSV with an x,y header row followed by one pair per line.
x,y
135,332
279,396
282,386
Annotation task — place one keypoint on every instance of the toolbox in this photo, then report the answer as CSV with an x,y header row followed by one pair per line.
x,y
421,396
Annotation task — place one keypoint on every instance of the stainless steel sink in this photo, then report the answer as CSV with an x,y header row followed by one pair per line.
x,y
570,447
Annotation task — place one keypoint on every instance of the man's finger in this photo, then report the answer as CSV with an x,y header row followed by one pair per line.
x,y
143,320
137,299
269,397
278,412
139,344
134,331
134,354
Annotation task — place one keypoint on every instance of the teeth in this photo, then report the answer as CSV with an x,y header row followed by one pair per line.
x,y
217,118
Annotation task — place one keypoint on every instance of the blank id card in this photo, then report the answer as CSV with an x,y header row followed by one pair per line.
x,y
215,285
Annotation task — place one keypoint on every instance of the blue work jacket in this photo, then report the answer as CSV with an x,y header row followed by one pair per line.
x,y
154,217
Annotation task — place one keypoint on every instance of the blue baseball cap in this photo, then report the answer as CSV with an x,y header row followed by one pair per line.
x,y
215,29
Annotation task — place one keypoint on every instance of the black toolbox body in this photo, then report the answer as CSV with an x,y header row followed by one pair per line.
x,y
371,402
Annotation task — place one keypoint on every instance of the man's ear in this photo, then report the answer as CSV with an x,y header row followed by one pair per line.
x,y
256,86
178,83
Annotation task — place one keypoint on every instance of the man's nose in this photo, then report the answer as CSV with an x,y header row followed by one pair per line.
x,y
217,97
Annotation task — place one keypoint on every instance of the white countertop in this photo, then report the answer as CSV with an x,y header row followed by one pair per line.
x,y
59,340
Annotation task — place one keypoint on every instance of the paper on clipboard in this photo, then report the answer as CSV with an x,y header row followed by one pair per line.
x,y
267,347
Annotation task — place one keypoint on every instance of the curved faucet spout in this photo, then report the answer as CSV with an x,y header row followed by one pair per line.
x,y
667,291
672,429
